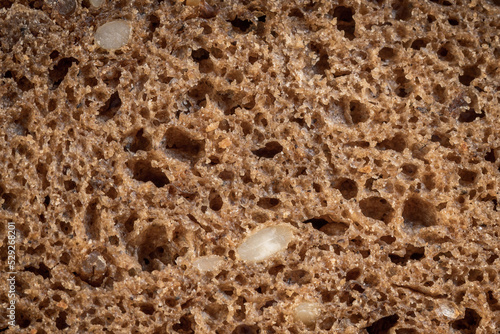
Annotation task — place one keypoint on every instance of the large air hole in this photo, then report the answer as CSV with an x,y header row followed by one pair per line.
x,y
470,115
216,201
61,323
24,84
386,54
470,73
412,253
345,21
396,143
476,275
199,92
490,156
185,325
402,10
59,71
154,23
442,139
353,274
9,200
322,64
200,54
418,213
418,44
155,251
181,145
358,113
467,177
377,208
410,170
92,220
109,109
246,329
65,227
328,226
268,202
139,142
269,150
402,88
445,52
6,4
42,270
469,323
298,276
383,325
129,224
143,171
347,187
241,25
492,301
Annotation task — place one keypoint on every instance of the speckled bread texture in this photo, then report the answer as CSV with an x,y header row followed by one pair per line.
x,y
371,128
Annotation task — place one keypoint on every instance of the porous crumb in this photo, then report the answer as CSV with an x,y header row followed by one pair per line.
x,y
218,166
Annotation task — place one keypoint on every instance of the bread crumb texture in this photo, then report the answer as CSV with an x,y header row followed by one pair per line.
x,y
367,131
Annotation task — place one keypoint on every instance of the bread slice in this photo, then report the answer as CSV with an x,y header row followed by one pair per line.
x,y
251,166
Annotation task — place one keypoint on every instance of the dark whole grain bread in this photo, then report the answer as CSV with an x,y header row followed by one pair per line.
x,y
251,166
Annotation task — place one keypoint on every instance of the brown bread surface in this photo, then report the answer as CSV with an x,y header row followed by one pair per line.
x,y
371,128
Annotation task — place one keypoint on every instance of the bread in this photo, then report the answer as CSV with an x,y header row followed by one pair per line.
x,y
251,166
